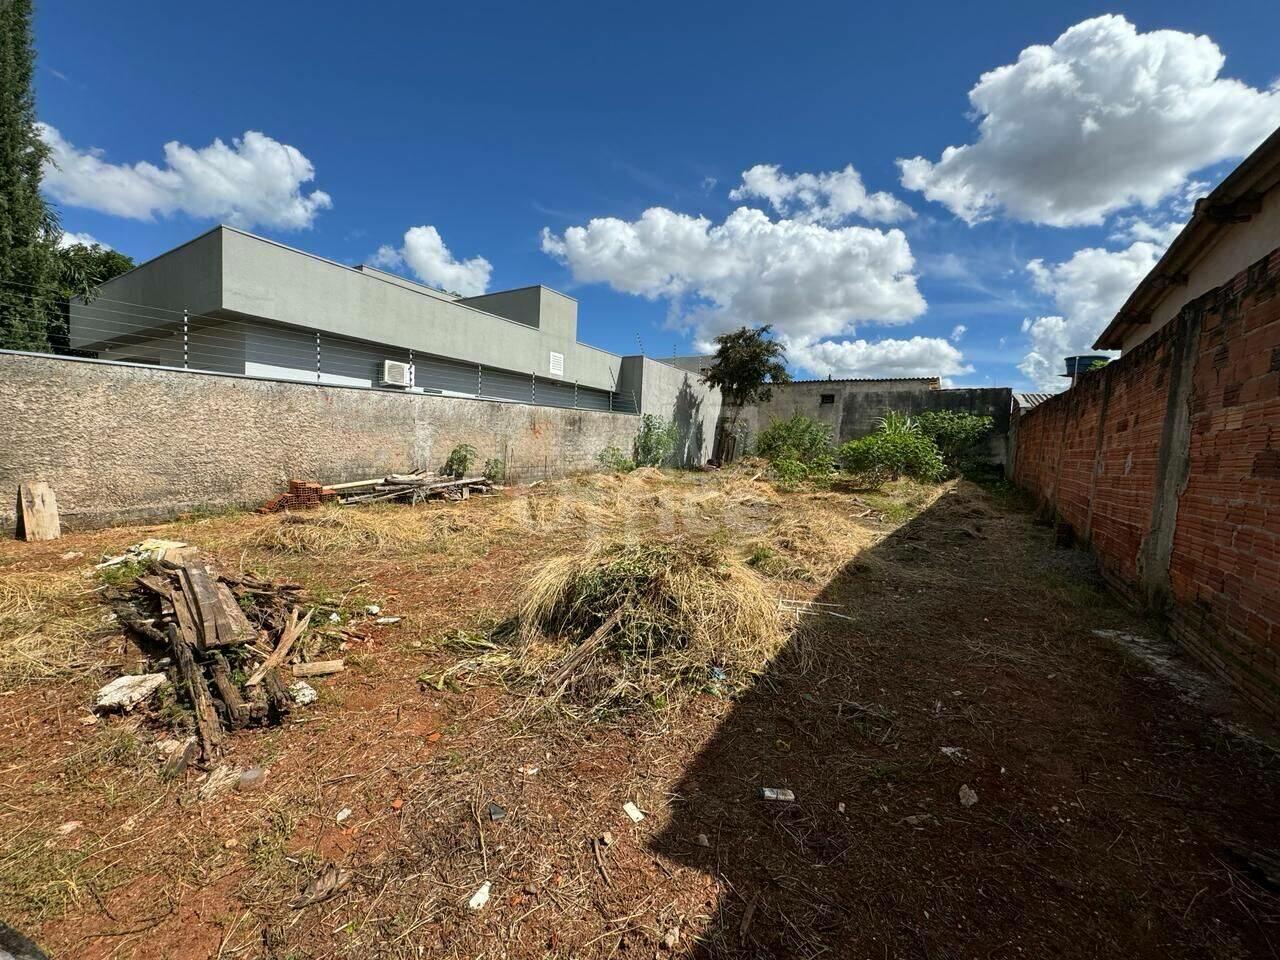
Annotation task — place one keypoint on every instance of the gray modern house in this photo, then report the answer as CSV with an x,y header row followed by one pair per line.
x,y
231,302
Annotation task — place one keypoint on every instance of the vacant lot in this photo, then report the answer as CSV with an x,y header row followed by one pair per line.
x,y
948,653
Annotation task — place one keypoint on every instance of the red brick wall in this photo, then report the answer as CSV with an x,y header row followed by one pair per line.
x,y
1095,456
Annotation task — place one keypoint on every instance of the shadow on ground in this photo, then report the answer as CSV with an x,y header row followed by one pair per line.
x,y
1107,810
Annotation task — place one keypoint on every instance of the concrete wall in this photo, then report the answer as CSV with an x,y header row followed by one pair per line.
x,y
680,397
1234,251
859,403
118,443
1166,463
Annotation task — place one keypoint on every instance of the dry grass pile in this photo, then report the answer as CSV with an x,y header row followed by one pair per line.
x,y
385,528
810,542
47,624
682,616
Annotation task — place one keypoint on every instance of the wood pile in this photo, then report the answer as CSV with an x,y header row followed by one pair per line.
x,y
225,639
414,487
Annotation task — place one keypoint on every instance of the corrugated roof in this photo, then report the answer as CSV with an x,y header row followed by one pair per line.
x,y
1028,400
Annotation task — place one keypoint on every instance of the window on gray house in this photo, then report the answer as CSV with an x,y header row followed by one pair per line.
x,y
827,399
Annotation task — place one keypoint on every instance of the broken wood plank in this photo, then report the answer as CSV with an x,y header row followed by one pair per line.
x,y
279,698
228,692
569,665
238,628
197,584
192,684
292,631
37,512
318,668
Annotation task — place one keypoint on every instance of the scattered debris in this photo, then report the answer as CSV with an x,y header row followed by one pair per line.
x,y
255,778
480,897
672,939
496,813
69,827
633,812
72,555
125,693
955,753
37,512
968,797
704,840
142,552
178,757
387,621
919,819
811,608
416,487
343,814
210,628
373,609
303,693
840,807
328,881
780,794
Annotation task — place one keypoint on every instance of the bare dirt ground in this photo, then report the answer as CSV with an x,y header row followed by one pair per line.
x,y
1113,816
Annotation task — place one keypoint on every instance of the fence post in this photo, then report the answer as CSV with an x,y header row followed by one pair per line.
x,y
479,379
575,394
413,374
611,401
317,356
533,388
184,338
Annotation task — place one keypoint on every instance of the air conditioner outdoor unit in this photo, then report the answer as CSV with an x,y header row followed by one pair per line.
x,y
395,373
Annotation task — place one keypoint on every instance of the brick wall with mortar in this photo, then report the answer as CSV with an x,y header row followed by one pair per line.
x,y
1167,463
121,443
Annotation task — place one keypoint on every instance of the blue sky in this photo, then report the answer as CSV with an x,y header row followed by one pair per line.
x,y
535,136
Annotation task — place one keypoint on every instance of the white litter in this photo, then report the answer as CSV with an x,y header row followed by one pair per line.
x,y
373,609
955,753
343,814
480,897
124,693
303,693
968,796
149,549
632,811
387,620
780,794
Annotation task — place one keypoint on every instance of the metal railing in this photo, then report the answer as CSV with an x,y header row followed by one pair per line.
x,y
115,331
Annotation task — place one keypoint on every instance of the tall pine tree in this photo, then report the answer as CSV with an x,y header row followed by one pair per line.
x,y
28,228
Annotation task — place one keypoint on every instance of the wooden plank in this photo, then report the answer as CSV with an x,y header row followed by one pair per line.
x,y
228,692
192,684
239,629
197,584
278,696
318,668
292,631
37,512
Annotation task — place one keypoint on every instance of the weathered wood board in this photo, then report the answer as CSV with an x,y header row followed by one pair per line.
x,y
37,512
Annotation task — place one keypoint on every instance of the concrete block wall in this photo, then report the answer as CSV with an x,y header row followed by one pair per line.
x,y
120,443
1167,462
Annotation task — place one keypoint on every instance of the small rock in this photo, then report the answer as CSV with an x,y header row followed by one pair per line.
x,y
343,814
955,753
968,797
385,621
124,693
334,618
840,807
480,897
373,609
255,778
303,693
780,794
672,939
72,555
69,827
496,813
632,811
231,844
919,819
606,838
704,840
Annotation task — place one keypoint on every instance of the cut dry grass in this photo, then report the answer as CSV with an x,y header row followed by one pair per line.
x,y
47,624
385,528
688,615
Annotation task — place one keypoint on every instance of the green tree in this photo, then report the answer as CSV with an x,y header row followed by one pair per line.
x,y
746,363
80,270
28,226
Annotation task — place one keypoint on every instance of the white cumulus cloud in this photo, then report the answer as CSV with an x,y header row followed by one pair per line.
x,y
1086,290
254,181
828,198
425,253
810,281
1102,119
913,357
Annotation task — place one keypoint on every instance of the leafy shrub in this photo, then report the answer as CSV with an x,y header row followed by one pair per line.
x,y
789,472
888,455
495,470
655,441
955,434
800,438
459,460
614,460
